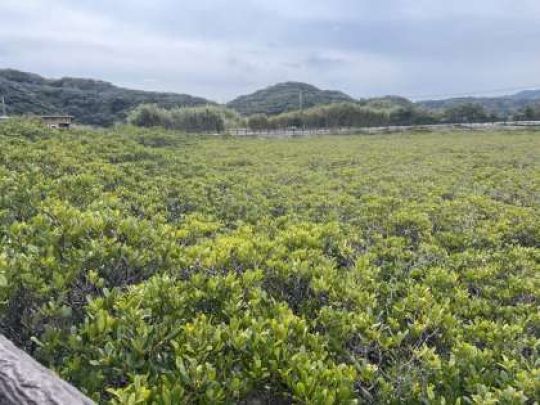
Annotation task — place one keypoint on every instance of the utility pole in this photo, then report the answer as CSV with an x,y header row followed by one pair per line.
x,y
3,107
301,105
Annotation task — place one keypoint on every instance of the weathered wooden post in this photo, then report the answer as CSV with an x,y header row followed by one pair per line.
x,y
24,381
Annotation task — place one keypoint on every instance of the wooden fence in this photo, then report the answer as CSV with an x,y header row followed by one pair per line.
x,y
292,132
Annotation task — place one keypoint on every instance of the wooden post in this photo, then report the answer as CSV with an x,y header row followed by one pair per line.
x,y
24,381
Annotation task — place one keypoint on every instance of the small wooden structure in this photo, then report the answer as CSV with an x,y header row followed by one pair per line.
x,y
57,121
24,381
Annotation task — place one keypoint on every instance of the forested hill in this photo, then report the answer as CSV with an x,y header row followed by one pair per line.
x,y
501,106
91,102
285,97
100,103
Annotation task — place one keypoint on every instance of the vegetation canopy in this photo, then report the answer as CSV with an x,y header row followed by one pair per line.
x,y
99,103
91,102
147,266
213,119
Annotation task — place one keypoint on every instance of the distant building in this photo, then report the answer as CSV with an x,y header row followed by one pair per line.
x,y
57,121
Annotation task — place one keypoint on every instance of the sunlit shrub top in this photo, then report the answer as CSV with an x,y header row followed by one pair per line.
x,y
147,266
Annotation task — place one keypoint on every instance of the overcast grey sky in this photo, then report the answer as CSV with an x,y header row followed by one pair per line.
x,y
222,48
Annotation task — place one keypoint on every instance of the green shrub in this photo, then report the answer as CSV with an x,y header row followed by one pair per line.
x,y
146,266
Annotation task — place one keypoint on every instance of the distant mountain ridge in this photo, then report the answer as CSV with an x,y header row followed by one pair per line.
x,y
501,106
92,102
527,95
283,97
101,103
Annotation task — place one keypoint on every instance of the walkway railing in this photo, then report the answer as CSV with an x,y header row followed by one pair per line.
x,y
290,132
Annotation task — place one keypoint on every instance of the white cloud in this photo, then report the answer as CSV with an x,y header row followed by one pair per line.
x,y
484,9
220,48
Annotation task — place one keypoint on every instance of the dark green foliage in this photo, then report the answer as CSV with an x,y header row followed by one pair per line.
x,y
464,113
148,116
91,102
258,122
504,107
529,113
341,115
187,119
285,97
146,266
100,103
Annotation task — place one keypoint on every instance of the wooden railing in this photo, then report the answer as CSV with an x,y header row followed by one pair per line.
x,y
24,381
289,132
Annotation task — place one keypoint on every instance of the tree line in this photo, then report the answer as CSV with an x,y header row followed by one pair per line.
x,y
357,115
209,118
217,119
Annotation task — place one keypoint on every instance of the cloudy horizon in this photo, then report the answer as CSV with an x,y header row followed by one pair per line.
x,y
220,49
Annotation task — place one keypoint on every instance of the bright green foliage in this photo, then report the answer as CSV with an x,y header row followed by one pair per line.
x,y
147,266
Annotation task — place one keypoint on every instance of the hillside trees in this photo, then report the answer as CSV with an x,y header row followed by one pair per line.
x,y
148,116
189,119
529,113
466,113
258,122
285,97
341,115
91,102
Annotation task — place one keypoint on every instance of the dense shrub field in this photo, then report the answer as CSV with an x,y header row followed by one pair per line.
x,y
146,266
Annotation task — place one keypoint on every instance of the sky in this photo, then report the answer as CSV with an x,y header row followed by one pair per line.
x,y
220,49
